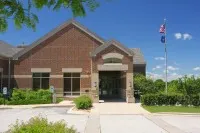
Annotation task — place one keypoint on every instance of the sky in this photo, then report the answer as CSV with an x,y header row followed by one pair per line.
x,y
134,23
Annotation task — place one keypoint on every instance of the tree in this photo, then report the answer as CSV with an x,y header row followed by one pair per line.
x,y
20,11
159,85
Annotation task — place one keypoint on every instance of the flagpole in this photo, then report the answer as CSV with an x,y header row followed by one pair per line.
x,y
166,71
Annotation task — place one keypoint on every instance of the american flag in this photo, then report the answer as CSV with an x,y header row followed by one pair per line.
x,y
162,28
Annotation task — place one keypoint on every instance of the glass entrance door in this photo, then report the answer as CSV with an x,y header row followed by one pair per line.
x,y
109,87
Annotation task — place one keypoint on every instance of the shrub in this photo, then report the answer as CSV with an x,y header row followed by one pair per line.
x,y
83,102
171,99
23,97
41,125
1,101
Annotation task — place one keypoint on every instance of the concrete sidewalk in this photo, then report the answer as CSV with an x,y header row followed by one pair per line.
x,y
61,104
119,108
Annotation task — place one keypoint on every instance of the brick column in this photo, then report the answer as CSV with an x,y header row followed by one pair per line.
x,y
95,87
129,88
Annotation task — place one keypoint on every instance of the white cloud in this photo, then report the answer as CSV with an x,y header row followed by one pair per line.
x,y
159,58
187,36
170,77
174,76
196,68
154,76
178,35
157,67
165,71
171,68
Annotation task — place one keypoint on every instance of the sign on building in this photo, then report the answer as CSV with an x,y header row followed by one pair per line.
x,y
5,90
52,89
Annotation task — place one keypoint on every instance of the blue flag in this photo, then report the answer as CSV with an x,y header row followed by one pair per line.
x,y
163,39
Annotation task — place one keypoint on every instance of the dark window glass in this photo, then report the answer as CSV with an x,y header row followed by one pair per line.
x,y
67,74
75,74
76,86
67,86
71,83
45,75
36,74
45,83
113,60
1,82
41,80
36,83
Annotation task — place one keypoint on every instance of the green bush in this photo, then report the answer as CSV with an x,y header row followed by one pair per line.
x,y
83,102
41,125
24,97
187,85
1,101
170,99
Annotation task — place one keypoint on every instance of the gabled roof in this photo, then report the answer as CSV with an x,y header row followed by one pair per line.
x,y
138,56
109,43
54,31
7,50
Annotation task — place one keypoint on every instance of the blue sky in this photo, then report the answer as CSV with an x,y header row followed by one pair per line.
x,y
136,25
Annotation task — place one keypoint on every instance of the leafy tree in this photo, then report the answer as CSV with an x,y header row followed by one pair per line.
x,y
159,85
20,11
143,84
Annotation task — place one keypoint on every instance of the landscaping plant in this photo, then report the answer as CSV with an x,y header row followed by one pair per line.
x,y
83,102
40,125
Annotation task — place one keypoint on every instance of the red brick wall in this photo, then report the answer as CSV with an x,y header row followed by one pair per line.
x,y
4,65
69,48
113,49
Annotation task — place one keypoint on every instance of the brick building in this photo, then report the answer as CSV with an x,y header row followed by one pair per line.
x,y
75,61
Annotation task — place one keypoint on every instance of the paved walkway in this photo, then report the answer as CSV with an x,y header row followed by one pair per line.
x,y
106,118
119,108
97,122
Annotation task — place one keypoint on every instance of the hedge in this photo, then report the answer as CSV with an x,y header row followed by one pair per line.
x,y
172,99
28,96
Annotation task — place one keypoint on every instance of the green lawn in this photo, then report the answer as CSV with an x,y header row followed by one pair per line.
x,y
182,109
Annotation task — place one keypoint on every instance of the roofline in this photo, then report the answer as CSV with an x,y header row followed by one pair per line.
x,y
3,57
53,32
115,43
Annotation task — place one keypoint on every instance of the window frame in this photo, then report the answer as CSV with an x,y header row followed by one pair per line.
x,y
112,61
71,77
40,77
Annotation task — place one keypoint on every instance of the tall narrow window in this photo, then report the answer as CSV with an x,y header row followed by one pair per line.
x,y
1,81
41,80
71,84
112,60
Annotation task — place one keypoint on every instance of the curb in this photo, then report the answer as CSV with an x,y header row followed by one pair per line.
x,y
33,106
78,112
53,106
176,113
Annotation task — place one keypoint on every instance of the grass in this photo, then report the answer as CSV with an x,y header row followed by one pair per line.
x,y
180,109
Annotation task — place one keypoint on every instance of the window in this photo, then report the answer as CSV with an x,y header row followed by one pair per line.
x,y
112,60
1,81
41,80
71,84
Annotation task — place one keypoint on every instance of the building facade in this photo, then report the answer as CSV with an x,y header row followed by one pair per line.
x,y
75,61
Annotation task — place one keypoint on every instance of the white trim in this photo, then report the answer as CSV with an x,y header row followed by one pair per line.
x,y
56,76
21,76
113,55
112,67
75,70
40,69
